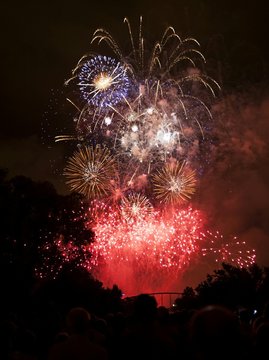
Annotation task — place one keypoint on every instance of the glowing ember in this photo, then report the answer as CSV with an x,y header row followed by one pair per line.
x,y
233,251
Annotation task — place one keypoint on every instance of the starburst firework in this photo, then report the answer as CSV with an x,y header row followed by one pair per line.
x,y
90,171
102,81
174,183
135,207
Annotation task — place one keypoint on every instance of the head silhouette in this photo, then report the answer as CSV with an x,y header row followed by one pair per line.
x,y
78,320
215,333
145,307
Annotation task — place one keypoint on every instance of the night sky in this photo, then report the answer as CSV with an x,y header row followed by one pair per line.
x,y
42,42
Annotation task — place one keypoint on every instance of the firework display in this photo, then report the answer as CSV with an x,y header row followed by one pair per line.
x,y
150,107
142,127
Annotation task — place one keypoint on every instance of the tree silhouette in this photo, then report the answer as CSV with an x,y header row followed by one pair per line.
x,y
32,215
229,286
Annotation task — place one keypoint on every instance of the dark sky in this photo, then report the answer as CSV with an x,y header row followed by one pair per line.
x,y
41,42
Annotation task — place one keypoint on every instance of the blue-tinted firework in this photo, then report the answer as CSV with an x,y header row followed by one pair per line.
x,y
102,81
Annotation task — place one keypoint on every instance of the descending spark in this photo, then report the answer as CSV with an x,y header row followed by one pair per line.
x,y
57,253
156,240
155,248
59,138
150,244
233,251
164,56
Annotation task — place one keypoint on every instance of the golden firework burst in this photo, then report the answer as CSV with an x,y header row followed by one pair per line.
x,y
174,183
135,207
90,171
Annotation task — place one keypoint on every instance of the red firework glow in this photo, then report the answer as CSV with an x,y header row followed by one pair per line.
x,y
143,254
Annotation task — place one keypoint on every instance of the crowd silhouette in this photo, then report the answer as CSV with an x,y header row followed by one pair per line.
x,y
141,329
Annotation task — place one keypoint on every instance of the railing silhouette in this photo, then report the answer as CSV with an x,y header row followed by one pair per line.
x,y
166,298
163,298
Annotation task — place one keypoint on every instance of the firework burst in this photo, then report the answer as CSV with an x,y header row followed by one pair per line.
x,y
174,183
102,81
150,131
90,171
152,249
163,107
231,251
135,207
156,246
